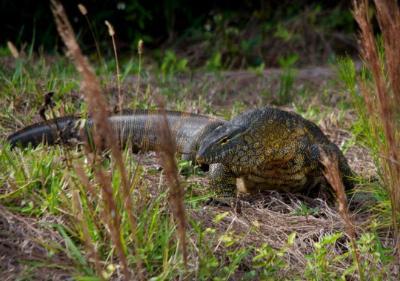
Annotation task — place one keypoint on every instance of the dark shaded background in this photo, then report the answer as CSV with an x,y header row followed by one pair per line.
x,y
179,24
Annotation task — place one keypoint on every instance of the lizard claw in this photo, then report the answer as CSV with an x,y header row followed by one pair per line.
x,y
217,202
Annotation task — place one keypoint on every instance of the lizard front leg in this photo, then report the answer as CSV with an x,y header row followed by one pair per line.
x,y
333,151
223,183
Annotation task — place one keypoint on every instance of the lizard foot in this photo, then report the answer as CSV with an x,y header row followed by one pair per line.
x,y
233,203
218,202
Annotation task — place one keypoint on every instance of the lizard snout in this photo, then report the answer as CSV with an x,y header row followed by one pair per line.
x,y
200,159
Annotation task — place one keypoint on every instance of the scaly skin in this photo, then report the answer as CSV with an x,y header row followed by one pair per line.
x,y
268,149
136,128
258,150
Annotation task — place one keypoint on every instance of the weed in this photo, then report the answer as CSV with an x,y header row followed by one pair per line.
x,y
286,79
171,64
214,63
321,262
304,210
271,261
259,70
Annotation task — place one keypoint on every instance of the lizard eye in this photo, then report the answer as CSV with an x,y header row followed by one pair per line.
x,y
224,140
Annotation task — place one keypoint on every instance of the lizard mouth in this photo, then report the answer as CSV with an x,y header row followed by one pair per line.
x,y
200,159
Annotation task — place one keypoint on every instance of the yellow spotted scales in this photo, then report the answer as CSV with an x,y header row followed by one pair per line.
x,y
268,148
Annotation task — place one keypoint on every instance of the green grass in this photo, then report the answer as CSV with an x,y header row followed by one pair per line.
x,y
43,183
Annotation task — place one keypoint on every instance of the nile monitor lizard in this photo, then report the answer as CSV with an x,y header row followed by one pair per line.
x,y
260,149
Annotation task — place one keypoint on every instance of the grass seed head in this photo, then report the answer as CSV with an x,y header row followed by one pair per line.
x,y
82,9
111,31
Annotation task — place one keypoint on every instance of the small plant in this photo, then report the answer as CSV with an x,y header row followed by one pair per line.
x,y
320,262
286,79
269,261
375,256
214,63
258,70
283,33
171,64
304,210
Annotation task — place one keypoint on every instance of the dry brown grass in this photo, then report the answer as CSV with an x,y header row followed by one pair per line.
x,y
25,241
332,174
270,219
103,137
382,98
167,152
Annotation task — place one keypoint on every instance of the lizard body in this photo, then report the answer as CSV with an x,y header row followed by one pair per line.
x,y
265,148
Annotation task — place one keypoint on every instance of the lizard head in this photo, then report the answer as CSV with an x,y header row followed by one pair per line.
x,y
220,145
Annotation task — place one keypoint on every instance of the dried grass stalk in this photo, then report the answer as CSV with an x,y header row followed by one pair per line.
x,y
332,174
84,12
103,136
166,152
386,77
140,53
111,32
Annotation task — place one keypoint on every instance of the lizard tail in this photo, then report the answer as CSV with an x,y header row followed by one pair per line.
x,y
58,130
138,128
